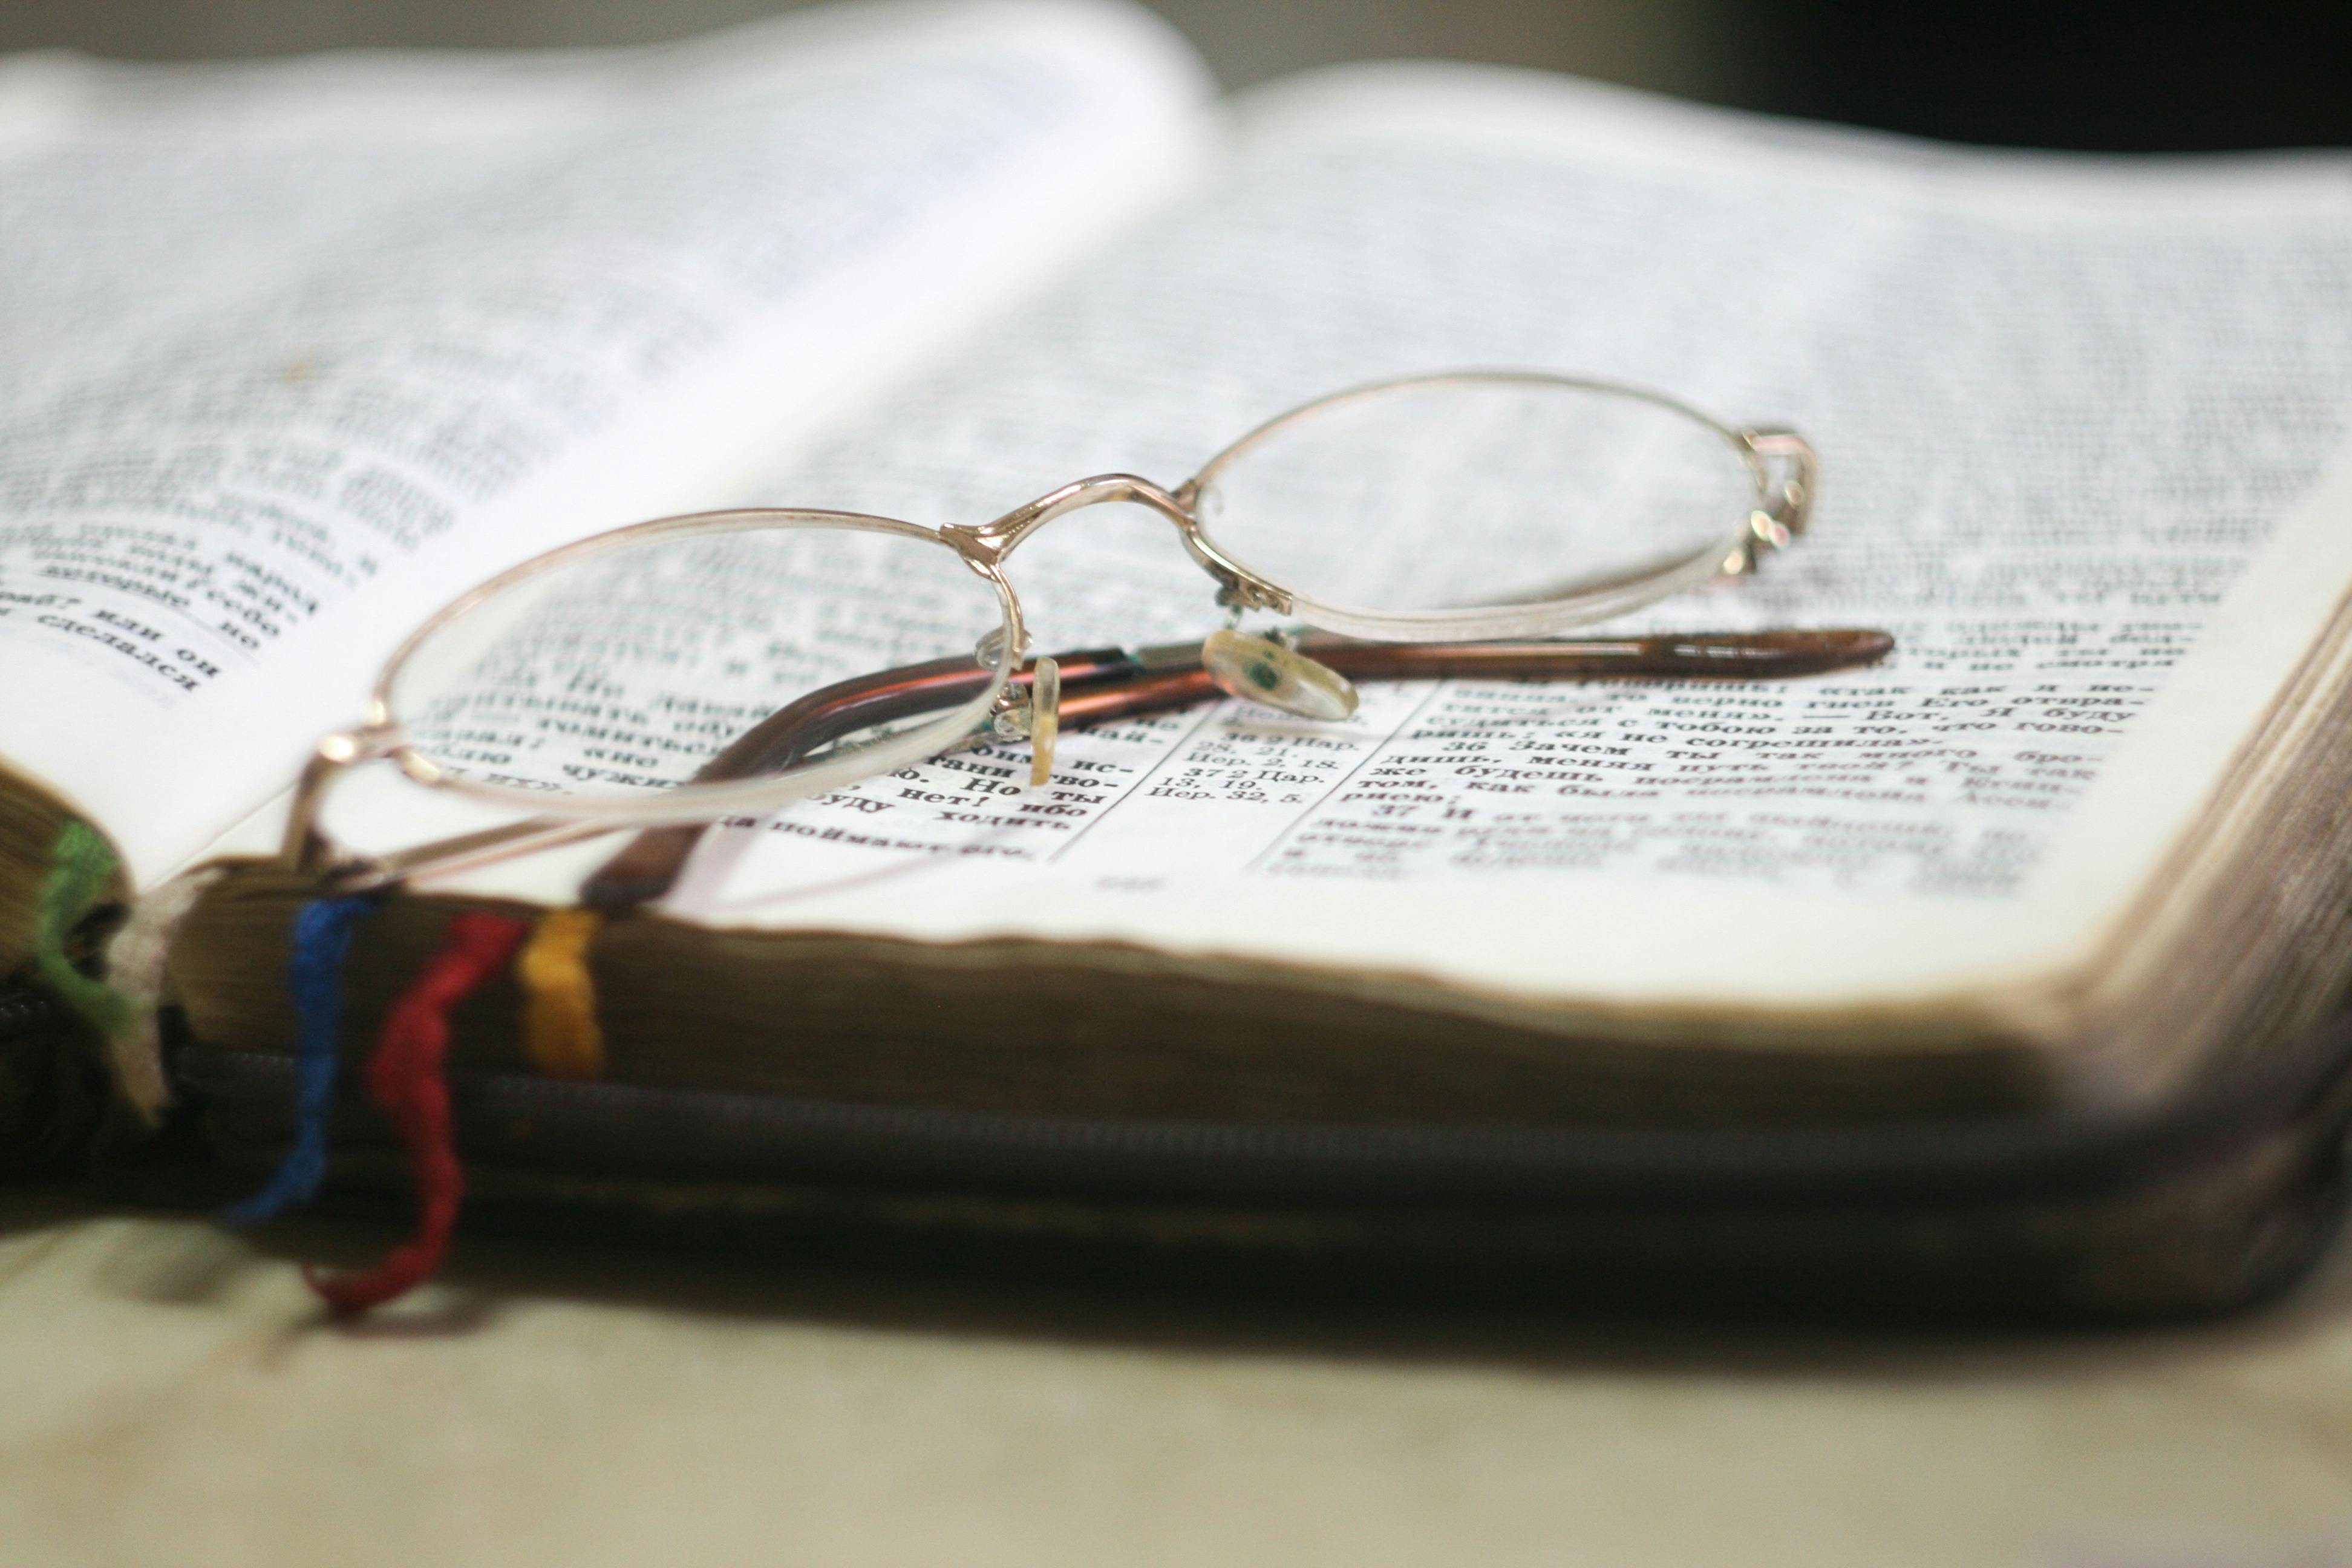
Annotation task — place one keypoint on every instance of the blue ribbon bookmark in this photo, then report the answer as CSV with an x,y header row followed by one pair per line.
x,y
323,935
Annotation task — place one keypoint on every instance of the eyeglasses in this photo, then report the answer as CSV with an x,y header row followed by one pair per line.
x,y
668,675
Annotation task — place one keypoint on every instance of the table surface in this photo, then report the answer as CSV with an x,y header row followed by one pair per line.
x,y
169,1392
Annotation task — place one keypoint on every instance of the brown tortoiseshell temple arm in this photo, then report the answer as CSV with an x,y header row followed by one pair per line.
x,y
1103,685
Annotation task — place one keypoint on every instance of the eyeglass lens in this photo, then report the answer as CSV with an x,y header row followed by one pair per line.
x,y
624,671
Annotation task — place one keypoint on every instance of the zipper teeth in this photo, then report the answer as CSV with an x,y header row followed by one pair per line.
x,y
1381,1158
23,1011
703,1134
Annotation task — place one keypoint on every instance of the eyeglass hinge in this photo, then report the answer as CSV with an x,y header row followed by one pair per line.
x,y
1791,472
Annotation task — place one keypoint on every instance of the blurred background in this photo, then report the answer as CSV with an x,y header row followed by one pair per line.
x,y
2123,75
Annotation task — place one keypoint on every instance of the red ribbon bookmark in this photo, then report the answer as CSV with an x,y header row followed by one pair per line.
x,y
405,1079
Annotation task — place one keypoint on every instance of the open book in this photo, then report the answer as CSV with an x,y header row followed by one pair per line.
x,y
300,350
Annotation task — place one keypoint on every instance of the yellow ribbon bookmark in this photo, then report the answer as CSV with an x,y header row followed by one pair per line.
x,y
559,1020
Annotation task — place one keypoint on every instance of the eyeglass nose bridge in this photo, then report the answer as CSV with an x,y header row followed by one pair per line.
x,y
987,545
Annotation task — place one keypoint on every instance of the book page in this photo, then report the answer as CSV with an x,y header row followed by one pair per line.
x,y
299,351
2067,410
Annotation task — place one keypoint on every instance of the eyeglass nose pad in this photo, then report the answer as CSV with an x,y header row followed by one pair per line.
x,y
1044,717
1261,670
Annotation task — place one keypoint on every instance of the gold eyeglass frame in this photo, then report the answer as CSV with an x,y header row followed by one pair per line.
x,y
1781,464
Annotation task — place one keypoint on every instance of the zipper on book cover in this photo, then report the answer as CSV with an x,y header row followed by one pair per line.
x,y
630,1130
25,1012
